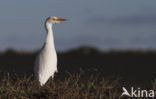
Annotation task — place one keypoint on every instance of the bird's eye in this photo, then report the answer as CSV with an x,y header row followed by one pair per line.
x,y
53,19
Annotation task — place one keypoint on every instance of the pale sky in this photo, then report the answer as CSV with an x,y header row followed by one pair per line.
x,y
106,24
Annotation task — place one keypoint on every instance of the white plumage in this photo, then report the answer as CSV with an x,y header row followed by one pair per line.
x,y
46,61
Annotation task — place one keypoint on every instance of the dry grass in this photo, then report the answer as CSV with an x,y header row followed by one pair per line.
x,y
76,86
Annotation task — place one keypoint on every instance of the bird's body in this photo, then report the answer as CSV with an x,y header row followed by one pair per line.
x,y
46,61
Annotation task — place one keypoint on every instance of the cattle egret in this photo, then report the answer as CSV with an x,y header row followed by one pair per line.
x,y
46,61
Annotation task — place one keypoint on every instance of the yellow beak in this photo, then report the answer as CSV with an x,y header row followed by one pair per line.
x,y
60,19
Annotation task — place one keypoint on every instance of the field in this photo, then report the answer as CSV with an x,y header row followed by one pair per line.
x,y
84,73
73,87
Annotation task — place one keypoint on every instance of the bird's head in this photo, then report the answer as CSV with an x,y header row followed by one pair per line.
x,y
54,20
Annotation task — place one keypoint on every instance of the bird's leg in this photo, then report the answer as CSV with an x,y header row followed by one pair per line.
x,y
47,86
51,84
52,78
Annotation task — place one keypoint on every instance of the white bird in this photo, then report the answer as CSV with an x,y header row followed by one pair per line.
x,y
46,61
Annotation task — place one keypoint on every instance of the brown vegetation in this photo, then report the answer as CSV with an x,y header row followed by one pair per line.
x,y
73,87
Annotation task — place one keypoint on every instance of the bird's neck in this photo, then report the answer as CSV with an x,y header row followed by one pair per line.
x,y
49,38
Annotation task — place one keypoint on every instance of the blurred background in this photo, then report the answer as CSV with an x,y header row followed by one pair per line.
x,y
109,37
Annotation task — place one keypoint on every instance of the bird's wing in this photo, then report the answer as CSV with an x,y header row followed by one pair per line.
x,y
36,68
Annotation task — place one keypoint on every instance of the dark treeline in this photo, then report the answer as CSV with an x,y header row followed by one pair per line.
x,y
130,65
